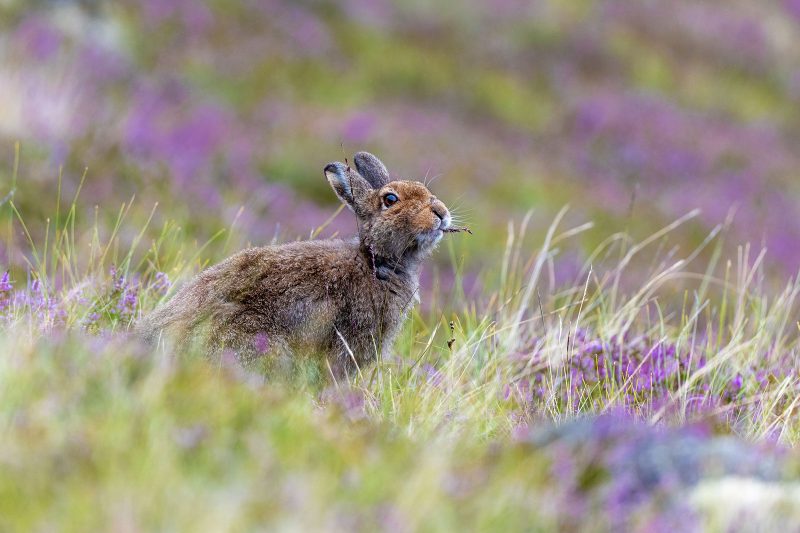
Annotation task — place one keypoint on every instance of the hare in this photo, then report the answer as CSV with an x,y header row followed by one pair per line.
x,y
343,300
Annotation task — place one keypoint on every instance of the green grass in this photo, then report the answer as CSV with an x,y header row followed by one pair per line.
x,y
101,433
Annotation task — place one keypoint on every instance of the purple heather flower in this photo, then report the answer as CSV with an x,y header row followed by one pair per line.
x,y
432,375
793,8
47,311
5,283
762,377
91,320
39,37
197,19
621,470
5,291
126,294
645,369
350,401
161,283
359,128
126,306
735,384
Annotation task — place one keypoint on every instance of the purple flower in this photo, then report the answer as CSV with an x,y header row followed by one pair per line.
x,y
5,283
5,291
161,283
735,385
91,320
350,401
124,295
620,470
793,8
432,375
359,128
39,37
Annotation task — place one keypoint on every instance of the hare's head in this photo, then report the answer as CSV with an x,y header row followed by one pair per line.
x,y
397,220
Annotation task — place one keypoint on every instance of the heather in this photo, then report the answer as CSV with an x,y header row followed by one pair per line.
x,y
628,362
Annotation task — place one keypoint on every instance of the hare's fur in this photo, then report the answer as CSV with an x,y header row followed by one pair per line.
x,y
341,300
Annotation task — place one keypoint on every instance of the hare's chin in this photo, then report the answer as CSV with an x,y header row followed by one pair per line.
x,y
429,239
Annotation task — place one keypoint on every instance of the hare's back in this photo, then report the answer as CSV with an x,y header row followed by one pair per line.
x,y
293,290
298,270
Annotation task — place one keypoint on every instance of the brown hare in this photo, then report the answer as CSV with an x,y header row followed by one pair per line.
x,y
342,300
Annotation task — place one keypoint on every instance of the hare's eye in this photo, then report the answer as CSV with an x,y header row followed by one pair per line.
x,y
390,199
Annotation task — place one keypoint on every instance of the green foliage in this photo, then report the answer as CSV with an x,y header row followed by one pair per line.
x,y
102,432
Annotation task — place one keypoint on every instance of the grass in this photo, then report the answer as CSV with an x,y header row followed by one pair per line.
x,y
101,433
651,387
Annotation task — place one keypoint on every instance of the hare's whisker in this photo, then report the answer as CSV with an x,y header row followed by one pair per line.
x,y
425,178
433,178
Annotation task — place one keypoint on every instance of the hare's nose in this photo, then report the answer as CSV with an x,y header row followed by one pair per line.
x,y
441,211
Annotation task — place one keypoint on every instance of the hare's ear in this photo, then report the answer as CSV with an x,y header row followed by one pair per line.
x,y
347,184
372,169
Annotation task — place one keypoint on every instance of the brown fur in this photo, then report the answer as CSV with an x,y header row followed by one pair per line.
x,y
342,300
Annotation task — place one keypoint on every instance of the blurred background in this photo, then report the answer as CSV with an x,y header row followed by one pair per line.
x,y
224,113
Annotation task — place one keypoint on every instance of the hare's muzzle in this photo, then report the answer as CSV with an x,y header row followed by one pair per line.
x,y
442,213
